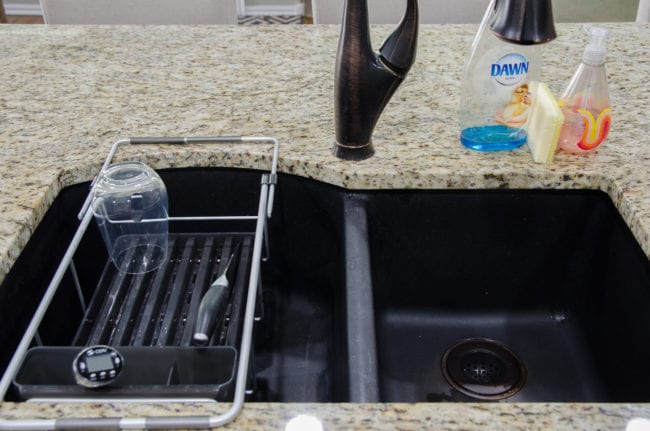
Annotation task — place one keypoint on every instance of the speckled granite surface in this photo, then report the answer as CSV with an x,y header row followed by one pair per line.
x,y
381,417
67,93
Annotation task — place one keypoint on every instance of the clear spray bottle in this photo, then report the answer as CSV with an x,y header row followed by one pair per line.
x,y
503,66
585,102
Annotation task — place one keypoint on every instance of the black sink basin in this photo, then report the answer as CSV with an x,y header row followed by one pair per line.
x,y
555,276
300,345
366,292
299,341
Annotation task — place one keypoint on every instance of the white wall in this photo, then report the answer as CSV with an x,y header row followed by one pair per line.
x,y
139,12
471,11
594,10
390,11
253,7
564,10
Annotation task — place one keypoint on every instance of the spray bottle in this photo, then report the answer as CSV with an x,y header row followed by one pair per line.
x,y
503,65
585,102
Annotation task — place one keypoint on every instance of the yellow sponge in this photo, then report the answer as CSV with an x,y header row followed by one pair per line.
x,y
544,124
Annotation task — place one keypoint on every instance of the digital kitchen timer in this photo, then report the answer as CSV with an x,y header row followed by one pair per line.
x,y
97,366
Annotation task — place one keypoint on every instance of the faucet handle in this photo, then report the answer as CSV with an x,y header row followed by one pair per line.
x,y
398,50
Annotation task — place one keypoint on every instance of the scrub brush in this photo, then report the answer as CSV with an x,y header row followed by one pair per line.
x,y
544,125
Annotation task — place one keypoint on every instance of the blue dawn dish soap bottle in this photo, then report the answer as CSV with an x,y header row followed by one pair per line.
x,y
503,64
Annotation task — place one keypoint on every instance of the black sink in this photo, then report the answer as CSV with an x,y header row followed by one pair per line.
x,y
300,344
554,276
545,293
299,341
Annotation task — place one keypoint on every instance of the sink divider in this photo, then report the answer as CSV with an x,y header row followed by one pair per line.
x,y
362,347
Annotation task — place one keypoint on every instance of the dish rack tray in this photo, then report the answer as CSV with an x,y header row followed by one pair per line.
x,y
119,314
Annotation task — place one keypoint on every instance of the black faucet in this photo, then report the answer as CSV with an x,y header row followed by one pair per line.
x,y
365,80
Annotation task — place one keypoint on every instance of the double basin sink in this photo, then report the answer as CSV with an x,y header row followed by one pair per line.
x,y
402,296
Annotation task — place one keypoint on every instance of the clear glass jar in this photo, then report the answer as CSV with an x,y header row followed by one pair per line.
x,y
130,206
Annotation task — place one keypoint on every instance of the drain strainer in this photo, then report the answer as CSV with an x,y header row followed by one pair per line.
x,y
483,369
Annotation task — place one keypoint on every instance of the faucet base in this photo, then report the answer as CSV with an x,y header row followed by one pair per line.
x,y
355,153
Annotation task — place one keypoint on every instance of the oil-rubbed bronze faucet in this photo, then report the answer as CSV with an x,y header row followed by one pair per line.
x,y
365,80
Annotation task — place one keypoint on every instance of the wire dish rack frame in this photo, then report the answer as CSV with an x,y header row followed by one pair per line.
x,y
265,208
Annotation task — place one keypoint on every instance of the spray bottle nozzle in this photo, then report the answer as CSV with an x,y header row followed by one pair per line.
x,y
596,50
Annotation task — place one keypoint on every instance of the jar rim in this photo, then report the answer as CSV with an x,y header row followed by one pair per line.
x,y
126,173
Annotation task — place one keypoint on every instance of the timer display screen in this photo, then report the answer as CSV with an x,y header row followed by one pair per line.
x,y
99,363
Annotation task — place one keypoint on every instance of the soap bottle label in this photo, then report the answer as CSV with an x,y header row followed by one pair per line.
x,y
503,88
585,128
596,129
510,69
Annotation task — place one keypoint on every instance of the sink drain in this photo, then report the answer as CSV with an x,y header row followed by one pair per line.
x,y
483,369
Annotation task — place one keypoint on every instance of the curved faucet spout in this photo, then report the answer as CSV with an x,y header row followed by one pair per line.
x,y
365,80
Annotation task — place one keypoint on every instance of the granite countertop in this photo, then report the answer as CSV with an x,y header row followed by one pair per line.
x,y
67,93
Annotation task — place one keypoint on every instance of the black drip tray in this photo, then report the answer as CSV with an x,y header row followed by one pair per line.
x,y
149,318
197,372
159,308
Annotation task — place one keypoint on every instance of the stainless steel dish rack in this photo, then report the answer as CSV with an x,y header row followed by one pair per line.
x,y
100,327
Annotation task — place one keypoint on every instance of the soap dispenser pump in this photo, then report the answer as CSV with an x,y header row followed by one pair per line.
x,y
503,64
